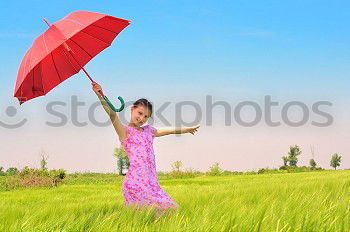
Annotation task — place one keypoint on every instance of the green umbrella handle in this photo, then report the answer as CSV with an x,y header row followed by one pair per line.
x,y
112,106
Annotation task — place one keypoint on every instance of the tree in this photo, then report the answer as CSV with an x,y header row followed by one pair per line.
x,y
123,159
285,160
312,149
43,161
313,163
293,153
176,165
215,170
335,161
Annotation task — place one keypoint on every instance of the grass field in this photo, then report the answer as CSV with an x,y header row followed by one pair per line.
x,y
310,201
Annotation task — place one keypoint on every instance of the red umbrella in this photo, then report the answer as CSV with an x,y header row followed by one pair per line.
x,y
63,50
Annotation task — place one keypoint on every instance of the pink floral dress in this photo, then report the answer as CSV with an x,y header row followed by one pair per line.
x,y
140,186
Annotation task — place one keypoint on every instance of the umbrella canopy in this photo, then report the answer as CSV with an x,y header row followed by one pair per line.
x,y
63,50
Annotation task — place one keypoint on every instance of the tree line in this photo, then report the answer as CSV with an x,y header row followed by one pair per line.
x,y
294,152
289,162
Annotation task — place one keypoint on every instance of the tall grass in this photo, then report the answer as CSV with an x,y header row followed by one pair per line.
x,y
312,201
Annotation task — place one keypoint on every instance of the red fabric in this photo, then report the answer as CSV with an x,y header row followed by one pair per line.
x,y
49,62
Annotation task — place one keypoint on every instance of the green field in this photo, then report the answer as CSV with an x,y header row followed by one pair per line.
x,y
309,201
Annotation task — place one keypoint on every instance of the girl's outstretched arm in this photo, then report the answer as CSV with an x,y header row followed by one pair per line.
x,y
161,132
118,126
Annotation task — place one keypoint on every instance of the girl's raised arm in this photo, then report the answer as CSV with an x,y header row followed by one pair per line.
x,y
118,126
161,132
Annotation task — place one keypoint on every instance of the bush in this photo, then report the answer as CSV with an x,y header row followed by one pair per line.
x,y
30,177
161,173
250,173
284,167
184,174
2,183
215,170
229,173
300,169
11,171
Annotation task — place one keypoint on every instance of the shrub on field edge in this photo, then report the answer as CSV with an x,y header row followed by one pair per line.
x,y
300,169
214,170
183,174
31,177
9,172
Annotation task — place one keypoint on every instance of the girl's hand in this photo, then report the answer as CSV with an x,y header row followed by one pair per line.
x,y
96,88
192,130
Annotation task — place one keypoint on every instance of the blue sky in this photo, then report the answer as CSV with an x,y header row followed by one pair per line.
x,y
269,43
292,50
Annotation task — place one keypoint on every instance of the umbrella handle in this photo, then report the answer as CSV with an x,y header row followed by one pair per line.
x,y
112,106
107,100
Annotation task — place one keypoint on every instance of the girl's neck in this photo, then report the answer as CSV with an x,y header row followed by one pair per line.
x,y
133,125
136,127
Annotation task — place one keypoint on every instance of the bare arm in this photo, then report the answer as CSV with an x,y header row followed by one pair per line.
x,y
167,131
118,126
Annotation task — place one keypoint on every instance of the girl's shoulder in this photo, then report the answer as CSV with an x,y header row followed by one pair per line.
x,y
149,127
151,130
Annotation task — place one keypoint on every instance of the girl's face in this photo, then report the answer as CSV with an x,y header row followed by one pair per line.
x,y
140,114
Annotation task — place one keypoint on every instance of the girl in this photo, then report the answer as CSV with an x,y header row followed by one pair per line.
x,y
140,186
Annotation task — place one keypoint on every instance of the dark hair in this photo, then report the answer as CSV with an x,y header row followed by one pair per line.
x,y
144,102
